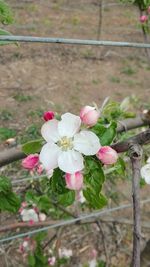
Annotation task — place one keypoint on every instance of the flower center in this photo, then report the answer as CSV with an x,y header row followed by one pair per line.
x,y
65,143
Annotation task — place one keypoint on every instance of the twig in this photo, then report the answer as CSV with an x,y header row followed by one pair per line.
x,y
129,124
49,241
11,155
104,241
141,139
135,156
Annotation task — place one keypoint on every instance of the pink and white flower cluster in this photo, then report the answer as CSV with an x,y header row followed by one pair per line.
x,y
27,246
67,142
31,214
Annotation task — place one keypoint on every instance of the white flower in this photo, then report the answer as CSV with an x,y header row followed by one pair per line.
x,y
65,253
29,214
66,144
145,172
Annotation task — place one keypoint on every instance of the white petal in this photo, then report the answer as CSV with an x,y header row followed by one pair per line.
x,y
87,143
28,215
49,156
145,173
70,161
49,131
69,125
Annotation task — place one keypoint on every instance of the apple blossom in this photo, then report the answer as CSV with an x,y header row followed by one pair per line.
x,y
48,115
51,261
107,155
24,247
89,115
30,162
29,215
143,18
74,181
66,144
65,253
28,245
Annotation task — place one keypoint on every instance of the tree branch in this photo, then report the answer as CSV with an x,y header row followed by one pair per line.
x,y
141,139
132,123
135,156
11,155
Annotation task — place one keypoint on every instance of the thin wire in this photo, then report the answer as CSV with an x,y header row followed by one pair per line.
x,y
15,38
71,221
17,181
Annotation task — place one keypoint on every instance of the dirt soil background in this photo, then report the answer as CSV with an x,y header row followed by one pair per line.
x,y
38,77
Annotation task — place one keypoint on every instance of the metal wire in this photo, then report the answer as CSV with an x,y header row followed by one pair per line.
x,y
17,181
31,39
71,221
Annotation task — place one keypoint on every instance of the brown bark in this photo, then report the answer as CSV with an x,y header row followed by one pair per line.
x,y
135,156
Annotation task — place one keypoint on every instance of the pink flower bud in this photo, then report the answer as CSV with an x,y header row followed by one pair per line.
x,y
30,162
74,181
89,115
107,155
51,261
48,115
143,18
24,204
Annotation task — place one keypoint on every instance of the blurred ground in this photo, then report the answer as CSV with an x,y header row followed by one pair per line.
x,y
37,77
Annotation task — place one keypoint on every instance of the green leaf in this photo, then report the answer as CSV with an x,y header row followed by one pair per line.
x,y
44,203
96,201
93,180
6,133
40,237
6,16
66,199
31,260
60,193
9,202
5,184
40,259
31,196
32,146
106,134
57,182
94,175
